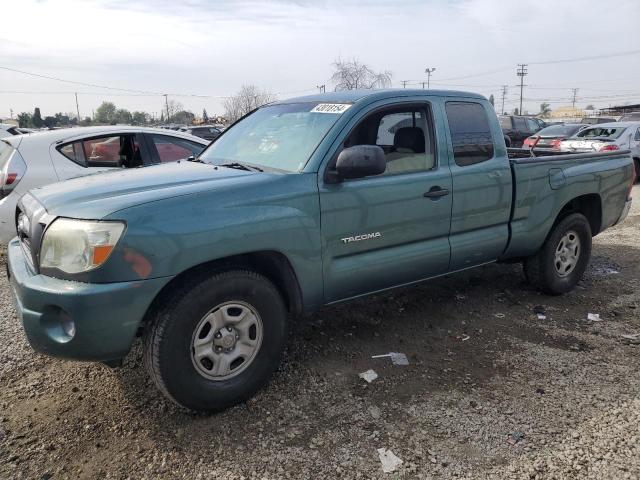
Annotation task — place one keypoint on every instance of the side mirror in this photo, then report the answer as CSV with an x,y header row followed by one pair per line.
x,y
361,161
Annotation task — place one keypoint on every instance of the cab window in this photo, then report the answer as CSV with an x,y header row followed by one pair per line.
x,y
403,133
470,133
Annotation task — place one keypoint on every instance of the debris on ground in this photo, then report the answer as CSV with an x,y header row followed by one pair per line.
x,y
389,461
540,312
633,339
369,376
499,315
594,317
461,338
540,391
514,438
396,358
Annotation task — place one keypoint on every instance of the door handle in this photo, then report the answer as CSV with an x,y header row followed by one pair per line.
x,y
436,192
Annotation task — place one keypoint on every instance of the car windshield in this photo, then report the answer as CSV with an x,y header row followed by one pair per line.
x,y
559,131
280,137
601,132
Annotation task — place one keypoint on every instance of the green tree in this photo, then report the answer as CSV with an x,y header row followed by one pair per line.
x,y
545,109
138,118
25,120
183,116
106,113
50,122
62,119
590,107
492,100
85,122
36,120
123,116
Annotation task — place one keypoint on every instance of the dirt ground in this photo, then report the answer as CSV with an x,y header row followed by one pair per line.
x,y
491,390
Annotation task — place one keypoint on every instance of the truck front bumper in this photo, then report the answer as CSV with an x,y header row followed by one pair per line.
x,y
80,321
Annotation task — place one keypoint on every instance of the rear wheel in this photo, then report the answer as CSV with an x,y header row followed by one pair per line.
x,y
559,265
217,340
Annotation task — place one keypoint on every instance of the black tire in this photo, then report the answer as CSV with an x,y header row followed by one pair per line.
x,y
636,162
168,340
540,269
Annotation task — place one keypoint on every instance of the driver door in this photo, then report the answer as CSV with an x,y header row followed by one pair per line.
x,y
390,229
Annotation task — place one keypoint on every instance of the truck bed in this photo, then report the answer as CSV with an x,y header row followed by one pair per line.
x,y
545,184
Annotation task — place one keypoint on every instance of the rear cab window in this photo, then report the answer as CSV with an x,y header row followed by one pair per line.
x,y
471,136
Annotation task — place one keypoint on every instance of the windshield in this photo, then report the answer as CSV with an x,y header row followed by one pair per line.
x,y
559,130
601,132
280,137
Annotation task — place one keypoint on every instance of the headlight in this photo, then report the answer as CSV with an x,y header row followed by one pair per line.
x,y
76,246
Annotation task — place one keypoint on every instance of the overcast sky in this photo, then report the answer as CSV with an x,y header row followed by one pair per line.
x,y
211,48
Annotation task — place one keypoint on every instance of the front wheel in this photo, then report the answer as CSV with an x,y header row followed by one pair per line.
x,y
217,340
560,263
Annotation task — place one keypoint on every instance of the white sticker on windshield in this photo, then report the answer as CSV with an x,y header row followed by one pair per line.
x,y
331,108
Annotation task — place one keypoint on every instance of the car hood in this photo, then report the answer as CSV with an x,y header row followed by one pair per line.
x,y
98,195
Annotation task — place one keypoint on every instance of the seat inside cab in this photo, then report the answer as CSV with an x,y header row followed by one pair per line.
x,y
403,134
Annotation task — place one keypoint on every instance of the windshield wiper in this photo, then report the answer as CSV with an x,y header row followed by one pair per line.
x,y
241,166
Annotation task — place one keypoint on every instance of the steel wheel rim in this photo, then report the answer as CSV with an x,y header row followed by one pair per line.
x,y
567,253
226,340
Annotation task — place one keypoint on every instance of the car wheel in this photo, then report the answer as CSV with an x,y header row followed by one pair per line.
x,y
560,263
216,340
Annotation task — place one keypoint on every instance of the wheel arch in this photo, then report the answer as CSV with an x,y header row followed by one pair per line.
x,y
589,205
271,264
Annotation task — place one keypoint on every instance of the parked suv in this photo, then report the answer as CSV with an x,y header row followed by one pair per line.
x,y
517,128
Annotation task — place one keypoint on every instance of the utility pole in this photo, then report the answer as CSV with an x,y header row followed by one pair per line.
x,y
321,88
504,94
404,83
166,101
428,71
522,71
573,100
77,107
11,112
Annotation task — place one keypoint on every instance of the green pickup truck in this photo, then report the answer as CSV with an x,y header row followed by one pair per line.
x,y
302,203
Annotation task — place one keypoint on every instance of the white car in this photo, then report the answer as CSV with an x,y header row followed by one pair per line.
x,y
605,137
29,161
6,130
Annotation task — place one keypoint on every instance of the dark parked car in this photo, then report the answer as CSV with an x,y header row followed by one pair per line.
x,y
517,128
549,138
208,132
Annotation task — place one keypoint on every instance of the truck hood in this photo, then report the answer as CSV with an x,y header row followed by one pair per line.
x,y
100,194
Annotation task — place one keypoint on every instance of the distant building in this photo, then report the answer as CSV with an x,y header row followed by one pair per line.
x,y
9,121
567,113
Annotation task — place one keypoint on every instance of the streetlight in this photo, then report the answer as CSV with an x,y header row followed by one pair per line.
x,y
429,71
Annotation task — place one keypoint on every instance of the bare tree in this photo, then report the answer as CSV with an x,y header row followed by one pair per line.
x,y
248,98
351,75
171,108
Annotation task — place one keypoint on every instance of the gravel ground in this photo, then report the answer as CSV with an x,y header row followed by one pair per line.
x,y
522,397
